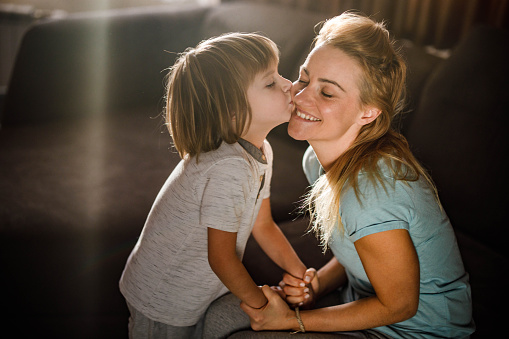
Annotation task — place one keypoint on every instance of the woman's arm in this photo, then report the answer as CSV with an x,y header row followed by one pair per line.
x,y
227,266
391,263
274,243
392,266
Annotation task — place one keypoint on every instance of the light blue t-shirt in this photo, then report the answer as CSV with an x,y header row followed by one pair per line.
x,y
445,307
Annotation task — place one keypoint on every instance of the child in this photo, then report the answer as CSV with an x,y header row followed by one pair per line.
x,y
224,96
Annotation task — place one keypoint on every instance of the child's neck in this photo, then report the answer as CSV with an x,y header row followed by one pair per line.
x,y
256,140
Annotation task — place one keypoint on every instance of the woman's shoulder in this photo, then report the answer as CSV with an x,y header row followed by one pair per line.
x,y
387,171
387,188
380,184
312,167
267,150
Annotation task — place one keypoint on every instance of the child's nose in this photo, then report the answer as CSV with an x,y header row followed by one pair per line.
x,y
287,85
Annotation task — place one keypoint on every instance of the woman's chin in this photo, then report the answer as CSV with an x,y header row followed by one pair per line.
x,y
294,132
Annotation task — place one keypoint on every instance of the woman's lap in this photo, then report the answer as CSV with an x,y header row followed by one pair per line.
x,y
225,319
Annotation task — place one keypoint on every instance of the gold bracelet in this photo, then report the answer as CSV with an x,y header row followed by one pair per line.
x,y
299,320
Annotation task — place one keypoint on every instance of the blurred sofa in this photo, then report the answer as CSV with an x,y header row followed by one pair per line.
x,y
84,151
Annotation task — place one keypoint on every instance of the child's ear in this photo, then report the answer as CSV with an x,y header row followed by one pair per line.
x,y
370,113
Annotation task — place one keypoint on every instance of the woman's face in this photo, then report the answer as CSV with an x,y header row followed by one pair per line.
x,y
328,111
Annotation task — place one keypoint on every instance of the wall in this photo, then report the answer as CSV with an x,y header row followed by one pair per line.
x,y
439,23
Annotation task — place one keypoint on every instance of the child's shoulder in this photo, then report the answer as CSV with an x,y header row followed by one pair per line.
x,y
227,155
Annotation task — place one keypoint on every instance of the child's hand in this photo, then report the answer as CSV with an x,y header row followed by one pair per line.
x,y
300,292
279,291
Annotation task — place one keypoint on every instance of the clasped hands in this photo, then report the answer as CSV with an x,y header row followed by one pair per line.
x,y
292,291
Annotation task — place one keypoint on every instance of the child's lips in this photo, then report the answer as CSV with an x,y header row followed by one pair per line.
x,y
292,107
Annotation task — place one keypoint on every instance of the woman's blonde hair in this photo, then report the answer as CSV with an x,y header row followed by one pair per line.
x,y
382,85
206,101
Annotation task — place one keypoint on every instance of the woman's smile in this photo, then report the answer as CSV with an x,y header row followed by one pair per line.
x,y
306,116
327,99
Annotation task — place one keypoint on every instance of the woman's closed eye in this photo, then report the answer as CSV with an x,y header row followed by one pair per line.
x,y
326,95
305,83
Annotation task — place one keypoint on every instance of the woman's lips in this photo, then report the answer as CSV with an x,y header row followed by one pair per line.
x,y
306,116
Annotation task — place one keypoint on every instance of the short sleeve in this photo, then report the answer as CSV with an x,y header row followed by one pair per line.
x,y
378,209
224,195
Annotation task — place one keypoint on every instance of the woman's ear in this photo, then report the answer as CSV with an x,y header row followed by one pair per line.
x,y
369,114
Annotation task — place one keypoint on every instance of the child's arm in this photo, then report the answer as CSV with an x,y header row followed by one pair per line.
x,y
227,266
274,243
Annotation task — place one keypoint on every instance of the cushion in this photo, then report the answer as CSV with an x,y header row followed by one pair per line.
x,y
420,65
459,132
90,64
292,30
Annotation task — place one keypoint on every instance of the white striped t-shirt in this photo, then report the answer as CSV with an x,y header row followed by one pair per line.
x,y
167,276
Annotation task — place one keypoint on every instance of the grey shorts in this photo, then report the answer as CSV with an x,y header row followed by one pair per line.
x,y
142,327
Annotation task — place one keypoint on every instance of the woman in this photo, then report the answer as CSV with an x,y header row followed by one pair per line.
x,y
395,254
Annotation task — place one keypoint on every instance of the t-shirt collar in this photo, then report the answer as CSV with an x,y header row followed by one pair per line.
x,y
254,151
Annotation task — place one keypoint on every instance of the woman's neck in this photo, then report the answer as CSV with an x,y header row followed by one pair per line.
x,y
328,153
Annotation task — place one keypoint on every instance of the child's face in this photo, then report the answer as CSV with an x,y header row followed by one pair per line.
x,y
270,101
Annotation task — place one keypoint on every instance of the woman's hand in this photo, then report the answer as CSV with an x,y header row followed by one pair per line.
x,y
301,292
275,315
279,291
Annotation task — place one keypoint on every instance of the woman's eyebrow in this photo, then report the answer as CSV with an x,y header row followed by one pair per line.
x,y
332,82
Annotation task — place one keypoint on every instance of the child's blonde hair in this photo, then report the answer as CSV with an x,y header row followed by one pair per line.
x,y
206,101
